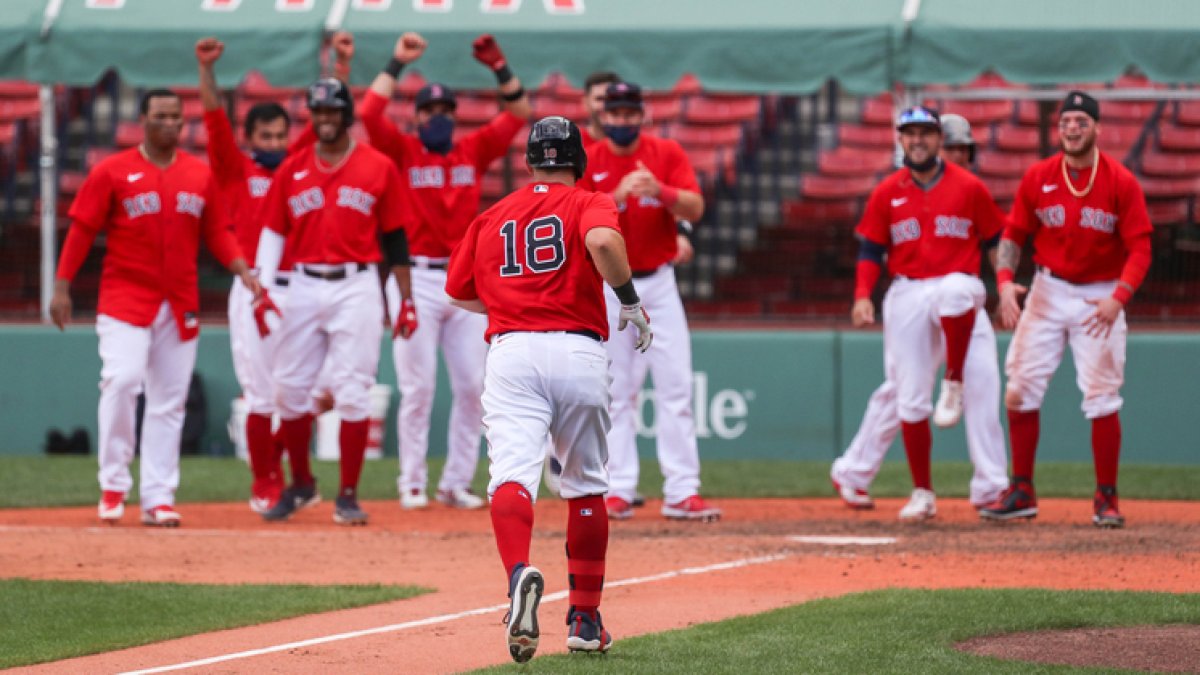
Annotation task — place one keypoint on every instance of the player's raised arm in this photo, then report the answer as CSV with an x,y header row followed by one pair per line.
x,y
342,44
516,101
382,133
208,50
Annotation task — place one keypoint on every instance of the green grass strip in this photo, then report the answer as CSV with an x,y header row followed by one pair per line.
x,y
893,631
51,620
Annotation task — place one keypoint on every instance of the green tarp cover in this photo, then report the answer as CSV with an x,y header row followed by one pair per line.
x,y
19,22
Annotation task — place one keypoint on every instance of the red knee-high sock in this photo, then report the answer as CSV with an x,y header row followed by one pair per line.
x,y
1023,430
587,547
512,522
1106,448
918,445
352,440
957,330
260,443
297,435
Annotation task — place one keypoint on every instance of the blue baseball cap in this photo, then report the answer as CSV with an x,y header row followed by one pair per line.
x,y
919,115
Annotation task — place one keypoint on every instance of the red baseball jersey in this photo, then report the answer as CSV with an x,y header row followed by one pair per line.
x,y
441,192
242,181
931,232
334,214
1081,239
154,219
526,259
648,226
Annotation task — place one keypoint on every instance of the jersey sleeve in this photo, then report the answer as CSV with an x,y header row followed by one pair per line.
x,y
391,210
90,209
680,174
600,211
874,223
383,135
224,156
491,142
460,272
1022,221
218,236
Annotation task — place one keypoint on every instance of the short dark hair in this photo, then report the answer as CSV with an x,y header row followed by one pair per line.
x,y
600,77
264,112
144,107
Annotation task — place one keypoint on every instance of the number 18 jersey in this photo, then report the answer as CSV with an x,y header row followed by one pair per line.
x,y
526,260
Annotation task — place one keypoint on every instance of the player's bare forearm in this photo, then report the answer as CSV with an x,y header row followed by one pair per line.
x,y
521,106
607,247
689,207
403,279
210,95
384,85
1007,257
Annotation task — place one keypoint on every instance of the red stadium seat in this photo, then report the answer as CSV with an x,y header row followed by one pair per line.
x,y
1168,212
128,135
95,155
571,109
753,286
867,137
1002,189
832,188
18,89
663,110
1178,139
706,137
851,161
409,85
1168,188
1028,113
196,135
980,113
722,109
69,182
19,109
1004,164
878,111
1126,111
723,309
1188,114
477,111
8,133
1170,165
1132,81
800,213
810,309
688,85
1017,139
714,163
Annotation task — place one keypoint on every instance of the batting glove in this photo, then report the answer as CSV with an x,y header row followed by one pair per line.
x,y
488,52
406,320
262,306
636,314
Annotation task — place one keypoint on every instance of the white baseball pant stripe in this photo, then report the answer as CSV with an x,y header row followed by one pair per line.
x,y
459,333
155,360
539,383
669,360
336,321
1053,317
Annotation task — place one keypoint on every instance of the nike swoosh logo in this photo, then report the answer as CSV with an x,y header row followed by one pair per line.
x,y
899,202
600,176
134,177
1049,188
299,174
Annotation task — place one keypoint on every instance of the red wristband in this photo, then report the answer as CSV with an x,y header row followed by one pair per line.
x,y
1004,276
668,195
1122,294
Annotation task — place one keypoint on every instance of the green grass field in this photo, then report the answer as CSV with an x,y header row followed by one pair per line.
x,y
51,620
71,481
894,631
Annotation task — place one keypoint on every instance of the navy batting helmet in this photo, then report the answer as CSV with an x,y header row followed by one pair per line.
x,y
329,92
555,142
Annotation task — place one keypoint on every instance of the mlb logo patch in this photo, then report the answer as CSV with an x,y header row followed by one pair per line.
x,y
585,512
537,189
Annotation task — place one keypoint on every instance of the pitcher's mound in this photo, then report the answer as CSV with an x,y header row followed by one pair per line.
x,y
1158,649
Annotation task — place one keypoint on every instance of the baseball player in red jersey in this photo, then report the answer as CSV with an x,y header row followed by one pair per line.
x,y
853,472
535,263
440,182
332,201
652,183
1091,244
595,86
154,203
931,219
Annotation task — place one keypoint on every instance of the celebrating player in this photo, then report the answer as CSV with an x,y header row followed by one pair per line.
x,y
930,218
595,86
440,179
331,201
652,183
1091,244
854,471
154,202
534,263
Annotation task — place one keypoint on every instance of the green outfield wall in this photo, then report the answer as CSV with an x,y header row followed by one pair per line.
x,y
759,394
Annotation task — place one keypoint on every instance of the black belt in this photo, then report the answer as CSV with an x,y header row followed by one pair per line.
x,y
332,275
642,274
282,281
589,334
430,265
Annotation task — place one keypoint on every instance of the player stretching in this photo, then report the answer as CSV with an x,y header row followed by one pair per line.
x,y
331,201
1091,244
154,202
440,181
930,218
534,263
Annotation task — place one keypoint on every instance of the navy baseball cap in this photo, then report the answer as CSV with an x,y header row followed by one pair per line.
x,y
919,115
436,93
623,95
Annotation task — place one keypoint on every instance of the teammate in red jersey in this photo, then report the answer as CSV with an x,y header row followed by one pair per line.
x,y
154,203
931,218
331,201
441,183
535,263
653,185
1091,244
595,86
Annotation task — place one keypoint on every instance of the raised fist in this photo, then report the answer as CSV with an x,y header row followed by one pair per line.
x,y
409,47
343,45
488,52
208,50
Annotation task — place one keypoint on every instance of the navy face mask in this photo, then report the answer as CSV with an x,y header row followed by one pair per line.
x,y
268,159
437,134
623,135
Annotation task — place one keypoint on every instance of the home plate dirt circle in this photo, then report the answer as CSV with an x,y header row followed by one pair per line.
x,y
1155,649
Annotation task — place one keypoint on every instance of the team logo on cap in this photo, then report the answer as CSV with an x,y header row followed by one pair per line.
x,y
437,90
1078,99
550,153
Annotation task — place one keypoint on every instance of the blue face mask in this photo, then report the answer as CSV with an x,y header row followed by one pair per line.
x,y
437,134
623,135
268,159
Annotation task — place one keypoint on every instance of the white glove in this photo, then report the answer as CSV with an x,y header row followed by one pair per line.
x,y
637,314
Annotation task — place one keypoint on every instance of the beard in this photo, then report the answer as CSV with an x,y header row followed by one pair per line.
x,y
1085,149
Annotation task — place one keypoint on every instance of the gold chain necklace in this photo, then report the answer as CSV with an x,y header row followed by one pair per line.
x,y
1080,194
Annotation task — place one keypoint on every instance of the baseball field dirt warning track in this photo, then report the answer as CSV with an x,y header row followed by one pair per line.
x,y
661,575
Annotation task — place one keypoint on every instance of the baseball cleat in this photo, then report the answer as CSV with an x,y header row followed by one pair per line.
x,y
347,512
586,632
293,498
161,516
1018,501
552,476
413,498
921,506
460,498
853,498
618,509
692,508
112,506
525,590
639,500
949,405
1105,510
263,497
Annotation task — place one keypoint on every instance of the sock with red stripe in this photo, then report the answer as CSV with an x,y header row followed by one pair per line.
x,y
260,444
512,522
1023,430
587,547
297,435
957,330
352,441
1106,448
918,445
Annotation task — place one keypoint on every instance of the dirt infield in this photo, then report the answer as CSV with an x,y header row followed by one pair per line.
x,y
688,572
